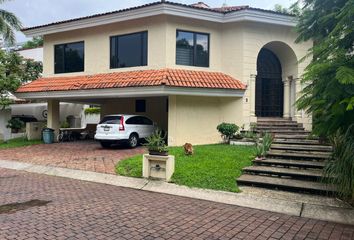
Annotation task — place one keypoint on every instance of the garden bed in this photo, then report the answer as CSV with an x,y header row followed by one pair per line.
x,y
211,167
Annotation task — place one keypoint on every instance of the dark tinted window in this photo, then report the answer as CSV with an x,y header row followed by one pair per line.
x,y
129,50
69,57
140,106
192,49
146,121
133,120
110,120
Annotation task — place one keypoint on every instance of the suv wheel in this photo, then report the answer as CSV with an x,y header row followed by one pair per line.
x,y
105,144
133,140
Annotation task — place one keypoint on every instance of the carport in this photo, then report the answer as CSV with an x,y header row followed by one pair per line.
x,y
188,104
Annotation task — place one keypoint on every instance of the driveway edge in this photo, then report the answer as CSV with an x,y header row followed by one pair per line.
x,y
327,213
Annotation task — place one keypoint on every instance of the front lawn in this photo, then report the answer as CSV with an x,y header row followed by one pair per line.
x,y
18,142
211,166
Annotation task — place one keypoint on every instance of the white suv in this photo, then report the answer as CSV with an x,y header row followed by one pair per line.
x,y
128,128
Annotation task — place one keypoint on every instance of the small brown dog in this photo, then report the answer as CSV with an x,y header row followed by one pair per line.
x,y
188,149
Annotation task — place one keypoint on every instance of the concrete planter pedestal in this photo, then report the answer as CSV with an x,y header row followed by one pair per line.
x,y
158,167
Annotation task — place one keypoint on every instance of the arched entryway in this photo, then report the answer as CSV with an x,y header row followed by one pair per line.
x,y
269,85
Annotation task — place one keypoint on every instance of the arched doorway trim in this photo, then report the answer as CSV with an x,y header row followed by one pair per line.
x,y
269,85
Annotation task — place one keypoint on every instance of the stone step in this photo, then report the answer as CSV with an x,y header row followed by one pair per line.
x,y
273,127
290,163
288,132
314,174
285,184
296,141
295,124
295,136
297,154
274,119
300,147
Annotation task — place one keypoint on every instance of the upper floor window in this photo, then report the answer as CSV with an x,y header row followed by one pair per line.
x,y
69,57
192,49
129,50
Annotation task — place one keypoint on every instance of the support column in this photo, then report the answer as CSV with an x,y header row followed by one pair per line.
x,y
53,118
286,113
253,95
298,90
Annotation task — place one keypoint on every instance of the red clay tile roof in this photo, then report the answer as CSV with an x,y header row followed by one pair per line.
x,y
142,78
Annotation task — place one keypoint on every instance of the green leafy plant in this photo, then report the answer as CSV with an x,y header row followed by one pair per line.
x,y
340,171
328,93
14,71
227,130
250,135
65,124
267,141
263,147
260,152
15,124
253,126
156,142
93,110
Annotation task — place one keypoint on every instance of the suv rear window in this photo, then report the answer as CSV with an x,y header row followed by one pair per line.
x,y
110,120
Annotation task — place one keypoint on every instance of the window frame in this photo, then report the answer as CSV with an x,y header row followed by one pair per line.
x,y
195,33
83,56
124,35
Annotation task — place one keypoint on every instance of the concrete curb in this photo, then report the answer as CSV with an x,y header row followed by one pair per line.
x,y
327,213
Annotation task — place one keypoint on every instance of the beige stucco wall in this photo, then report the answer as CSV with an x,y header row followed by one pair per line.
x,y
234,49
156,109
194,119
97,45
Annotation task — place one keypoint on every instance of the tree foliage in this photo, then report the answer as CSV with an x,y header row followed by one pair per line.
x,y
329,79
15,70
9,23
34,43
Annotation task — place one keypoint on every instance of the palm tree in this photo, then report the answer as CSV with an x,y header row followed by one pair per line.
x,y
9,23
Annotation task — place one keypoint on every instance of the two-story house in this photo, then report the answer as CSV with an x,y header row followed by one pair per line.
x,y
188,67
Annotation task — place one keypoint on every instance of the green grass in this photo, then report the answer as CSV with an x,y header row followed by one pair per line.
x,y
211,166
18,142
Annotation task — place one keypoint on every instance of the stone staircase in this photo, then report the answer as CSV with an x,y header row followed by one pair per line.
x,y
295,161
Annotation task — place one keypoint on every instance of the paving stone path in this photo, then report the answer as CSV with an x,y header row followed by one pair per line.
x,y
81,155
84,210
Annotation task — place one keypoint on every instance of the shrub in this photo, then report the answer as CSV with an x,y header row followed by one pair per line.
x,y
227,130
15,124
340,171
93,110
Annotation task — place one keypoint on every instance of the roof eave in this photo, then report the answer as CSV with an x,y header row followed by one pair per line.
x,y
164,9
131,92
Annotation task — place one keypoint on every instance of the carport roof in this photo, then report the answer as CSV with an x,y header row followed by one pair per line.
x,y
142,78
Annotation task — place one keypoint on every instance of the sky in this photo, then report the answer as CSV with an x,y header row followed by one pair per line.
x,y
38,12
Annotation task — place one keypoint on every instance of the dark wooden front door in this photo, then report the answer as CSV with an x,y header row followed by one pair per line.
x,y
269,85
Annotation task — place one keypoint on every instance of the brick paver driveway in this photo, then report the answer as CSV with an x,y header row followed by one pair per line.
x,y
83,155
83,210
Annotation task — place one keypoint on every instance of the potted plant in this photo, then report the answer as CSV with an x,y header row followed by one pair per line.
x,y
156,143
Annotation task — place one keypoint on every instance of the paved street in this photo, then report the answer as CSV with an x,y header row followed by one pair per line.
x,y
81,155
83,210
